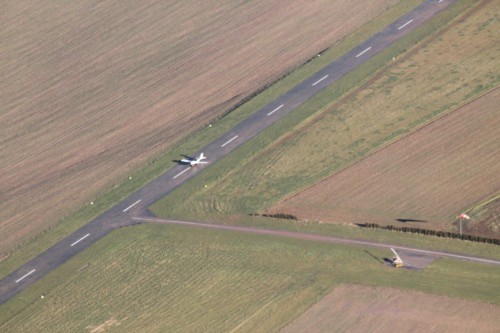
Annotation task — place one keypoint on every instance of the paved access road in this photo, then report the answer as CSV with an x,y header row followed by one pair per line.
x,y
315,237
136,204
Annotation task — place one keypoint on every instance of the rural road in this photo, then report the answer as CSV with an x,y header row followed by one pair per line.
x,y
315,237
136,204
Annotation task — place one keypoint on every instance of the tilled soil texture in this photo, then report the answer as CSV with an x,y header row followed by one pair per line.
x,y
423,180
350,308
92,90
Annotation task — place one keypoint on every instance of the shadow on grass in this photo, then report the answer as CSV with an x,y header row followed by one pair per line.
x,y
410,220
374,257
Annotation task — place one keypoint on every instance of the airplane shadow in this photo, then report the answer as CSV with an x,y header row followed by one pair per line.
x,y
388,261
187,157
374,257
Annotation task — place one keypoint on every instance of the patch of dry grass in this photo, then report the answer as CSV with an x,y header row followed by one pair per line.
x,y
485,217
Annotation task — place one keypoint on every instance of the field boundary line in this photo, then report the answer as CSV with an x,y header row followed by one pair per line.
x,y
484,203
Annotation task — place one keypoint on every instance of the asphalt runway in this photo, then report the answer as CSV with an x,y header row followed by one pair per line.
x,y
136,204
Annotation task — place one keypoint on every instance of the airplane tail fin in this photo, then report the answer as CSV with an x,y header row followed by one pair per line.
x,y
202,157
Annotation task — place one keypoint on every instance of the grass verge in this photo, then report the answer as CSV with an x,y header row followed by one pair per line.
x,y
154,278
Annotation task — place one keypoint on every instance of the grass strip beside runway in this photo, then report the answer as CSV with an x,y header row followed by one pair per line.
x,y
154,278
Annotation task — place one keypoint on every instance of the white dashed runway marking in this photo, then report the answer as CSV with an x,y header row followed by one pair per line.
x,y
132,205
230,140
404,25
324,77
279,107
180,173
78,241
25,275
363,52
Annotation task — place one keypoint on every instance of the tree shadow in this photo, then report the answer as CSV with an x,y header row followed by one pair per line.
x,y
410,220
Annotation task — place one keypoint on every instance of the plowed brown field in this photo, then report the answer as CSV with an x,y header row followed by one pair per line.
x,y
425,179
365,309
91,89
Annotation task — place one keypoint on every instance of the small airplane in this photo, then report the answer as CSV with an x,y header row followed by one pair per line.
x,y
397,261
195,161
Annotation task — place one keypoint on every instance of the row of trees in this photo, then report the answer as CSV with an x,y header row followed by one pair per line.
x,y
437,233
278,216
429,232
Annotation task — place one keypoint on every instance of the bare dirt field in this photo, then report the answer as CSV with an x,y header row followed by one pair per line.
x,y
91,90
350,308
425,179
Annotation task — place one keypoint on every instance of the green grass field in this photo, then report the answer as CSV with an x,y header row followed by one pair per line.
x,y
155,278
